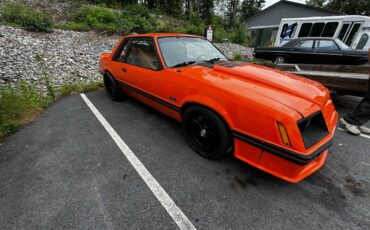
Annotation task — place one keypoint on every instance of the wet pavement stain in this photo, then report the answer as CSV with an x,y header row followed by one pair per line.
x,y
250,181
240,182
355,187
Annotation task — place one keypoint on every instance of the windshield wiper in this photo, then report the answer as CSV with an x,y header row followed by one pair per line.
x,y
213,60
185,63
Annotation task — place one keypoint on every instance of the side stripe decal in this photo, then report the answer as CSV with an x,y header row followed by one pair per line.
x,y
154,98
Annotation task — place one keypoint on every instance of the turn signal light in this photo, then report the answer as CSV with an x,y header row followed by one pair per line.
x,y
283,134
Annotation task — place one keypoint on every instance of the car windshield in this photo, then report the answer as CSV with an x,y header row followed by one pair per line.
x,y
342,45
181,51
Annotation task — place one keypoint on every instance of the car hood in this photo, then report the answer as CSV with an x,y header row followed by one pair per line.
x,y
301,94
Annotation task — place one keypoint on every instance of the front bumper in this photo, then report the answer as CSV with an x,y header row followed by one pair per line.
x,y
283,163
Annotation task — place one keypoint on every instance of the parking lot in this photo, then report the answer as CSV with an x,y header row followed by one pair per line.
x,y
65,170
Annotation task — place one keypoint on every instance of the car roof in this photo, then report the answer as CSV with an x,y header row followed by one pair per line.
x,y
163,35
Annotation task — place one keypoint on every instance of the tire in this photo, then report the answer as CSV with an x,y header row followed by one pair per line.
x,y
206,133
280,60
113,90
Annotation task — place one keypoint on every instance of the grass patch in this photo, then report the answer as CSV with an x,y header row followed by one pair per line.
x,y
76,88
18,106
23,103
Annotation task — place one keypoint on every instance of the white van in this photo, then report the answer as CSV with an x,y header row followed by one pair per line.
x,y
353,30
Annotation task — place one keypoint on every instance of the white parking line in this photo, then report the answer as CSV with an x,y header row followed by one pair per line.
x,y
172,209
361,135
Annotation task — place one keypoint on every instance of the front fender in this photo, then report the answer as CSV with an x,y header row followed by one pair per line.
x,y
209,103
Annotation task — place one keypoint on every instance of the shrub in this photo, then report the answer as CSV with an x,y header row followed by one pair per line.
x,y
241,35
26,17
97,18
238,57
138,18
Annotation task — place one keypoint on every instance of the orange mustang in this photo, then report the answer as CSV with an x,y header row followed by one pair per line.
x,y
278,122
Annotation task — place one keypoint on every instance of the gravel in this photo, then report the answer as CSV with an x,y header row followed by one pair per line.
x,y
63,56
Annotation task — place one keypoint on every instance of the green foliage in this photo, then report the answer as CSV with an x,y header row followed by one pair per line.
x,y
137,18
18,106
97,18
238,57
132,18
241,35
26,17
68,89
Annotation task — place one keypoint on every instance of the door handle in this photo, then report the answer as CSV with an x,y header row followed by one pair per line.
x,y
124,70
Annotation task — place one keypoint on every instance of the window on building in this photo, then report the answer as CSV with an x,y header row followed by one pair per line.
x,y
363,40
343,31
329,29
317,29
306,44
326,45
352,34
305,30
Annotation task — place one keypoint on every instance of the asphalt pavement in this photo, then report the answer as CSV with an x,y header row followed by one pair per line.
x,y
65,170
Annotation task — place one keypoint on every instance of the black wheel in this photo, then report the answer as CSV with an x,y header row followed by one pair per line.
x,y
112,88
280,60
206,133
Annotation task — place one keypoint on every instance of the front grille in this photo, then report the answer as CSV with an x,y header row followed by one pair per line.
x,y
313,129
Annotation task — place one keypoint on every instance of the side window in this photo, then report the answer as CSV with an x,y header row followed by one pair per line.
x,y
329,29
363,40
283,30
292,30
326,45
122,54
143,53
343,31
305,30
317,29
352,34
307,44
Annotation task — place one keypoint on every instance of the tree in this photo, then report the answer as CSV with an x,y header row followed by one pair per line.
x,y
206,10
361,7
250,7
229,10
316,3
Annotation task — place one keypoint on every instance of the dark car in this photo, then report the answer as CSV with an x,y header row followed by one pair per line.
x,y
313,51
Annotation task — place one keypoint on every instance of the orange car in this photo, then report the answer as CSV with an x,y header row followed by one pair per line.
x,y
278,122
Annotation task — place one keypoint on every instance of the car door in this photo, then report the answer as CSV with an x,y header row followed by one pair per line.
x,y
302,51
143,68
119,66
327,52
